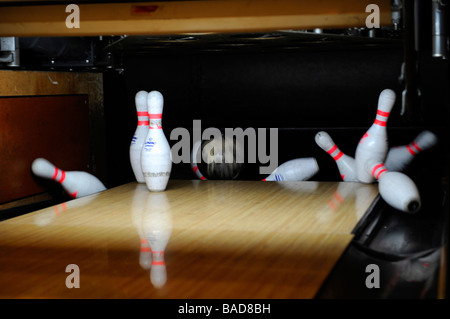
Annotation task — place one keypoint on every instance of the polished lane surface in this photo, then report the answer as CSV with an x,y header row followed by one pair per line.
x,y
210,239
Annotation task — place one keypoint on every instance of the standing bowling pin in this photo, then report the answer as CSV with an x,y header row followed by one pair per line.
x,y
396,188
299,169
156,157
345,163
399,157
138,140
374,143
76,183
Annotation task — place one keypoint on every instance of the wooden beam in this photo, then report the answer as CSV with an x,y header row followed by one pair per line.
x,y
174,17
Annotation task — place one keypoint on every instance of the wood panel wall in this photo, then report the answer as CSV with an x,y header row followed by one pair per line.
x,y
55,115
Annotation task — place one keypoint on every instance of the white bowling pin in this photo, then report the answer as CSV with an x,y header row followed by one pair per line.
x,y
138,140
374,143
156,157
345,163
157,225
399,157
397,189
194,165
75,183
299,169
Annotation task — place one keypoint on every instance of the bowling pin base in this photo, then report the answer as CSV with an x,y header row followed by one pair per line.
x,y
156,184
413,207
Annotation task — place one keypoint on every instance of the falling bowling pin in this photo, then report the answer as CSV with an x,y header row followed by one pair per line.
x,y
76,183
299,169
345,163
397,189
156,157
138,140
194,164
374,143
399,157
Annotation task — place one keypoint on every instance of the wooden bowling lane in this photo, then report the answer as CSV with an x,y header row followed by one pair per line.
x,y
222,239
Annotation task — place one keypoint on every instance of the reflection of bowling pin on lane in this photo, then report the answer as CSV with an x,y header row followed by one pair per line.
x,y
299,169
138,140
156,157
194,164
157,225
399,157
75,183
397,189
47,215
374,143
345,163
138,211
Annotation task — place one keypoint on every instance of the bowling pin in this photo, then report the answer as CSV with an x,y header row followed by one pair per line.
x,y
76,183
194,165
299,169
138,140
399,157
374,143
345,163
156,157
396,188
157,225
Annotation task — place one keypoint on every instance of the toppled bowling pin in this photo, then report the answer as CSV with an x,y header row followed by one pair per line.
x,y
374,143
397,189
76,183
399,157
156,157
345,163
138,140
194,164
299,169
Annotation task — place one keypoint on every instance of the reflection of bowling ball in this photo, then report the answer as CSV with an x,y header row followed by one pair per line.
x,y
214,155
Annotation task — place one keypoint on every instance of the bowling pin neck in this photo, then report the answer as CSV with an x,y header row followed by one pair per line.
x,y
324,140
335,152
386,101
413,148
381,118
143,119
155,120
378,170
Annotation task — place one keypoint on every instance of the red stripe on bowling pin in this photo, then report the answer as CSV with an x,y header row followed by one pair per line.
x,y
413,149
143,122
158,254
145,248
195,169
363,137
375,169
381,122
338,155
55,175
74,194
